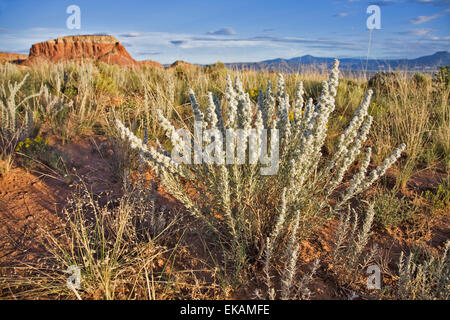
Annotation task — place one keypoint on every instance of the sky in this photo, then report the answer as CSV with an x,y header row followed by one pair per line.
x,y
205,32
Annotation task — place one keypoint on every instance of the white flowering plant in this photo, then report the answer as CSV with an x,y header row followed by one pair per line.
x,y
261,217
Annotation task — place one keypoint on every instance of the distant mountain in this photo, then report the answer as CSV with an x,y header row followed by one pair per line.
x,y
426,63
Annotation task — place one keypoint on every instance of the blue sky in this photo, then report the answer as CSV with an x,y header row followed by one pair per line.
x,y
201,31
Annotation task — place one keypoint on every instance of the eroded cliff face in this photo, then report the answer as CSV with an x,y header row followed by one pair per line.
x,y
101,48
12,57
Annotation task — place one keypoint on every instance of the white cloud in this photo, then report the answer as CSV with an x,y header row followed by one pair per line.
x,y
420,32
437,3
435,38
341,15
223,32
131,34
423,19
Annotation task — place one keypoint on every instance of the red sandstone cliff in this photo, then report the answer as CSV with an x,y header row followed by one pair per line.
x,y
101,48
12,57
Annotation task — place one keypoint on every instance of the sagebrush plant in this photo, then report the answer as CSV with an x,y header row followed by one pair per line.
x,y
11,125
21,117
429,279
53,109
13,128
349,258
237,203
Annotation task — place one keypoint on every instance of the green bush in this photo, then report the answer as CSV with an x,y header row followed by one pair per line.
x,y
36,152
442,77
441,198
393,210
421,79
106,85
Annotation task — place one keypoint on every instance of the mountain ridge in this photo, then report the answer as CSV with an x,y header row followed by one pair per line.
x,y
424,63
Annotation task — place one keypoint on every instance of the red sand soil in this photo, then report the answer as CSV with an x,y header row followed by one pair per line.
x,y
30,200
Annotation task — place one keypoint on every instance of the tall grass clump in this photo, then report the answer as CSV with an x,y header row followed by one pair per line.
x,y
259,217
415,112
124,248
54,108
16,122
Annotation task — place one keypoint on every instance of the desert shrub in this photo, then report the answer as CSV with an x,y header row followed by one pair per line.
x,y
16,121
35,153
123,160
442,77
31,149
54,109
105,84
11,124
254,93
440,109
393,209
416,114
350,258
442,145
215,67
70,92
422,276
421,79
216,71
382,81
249,212
440,199
378,110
